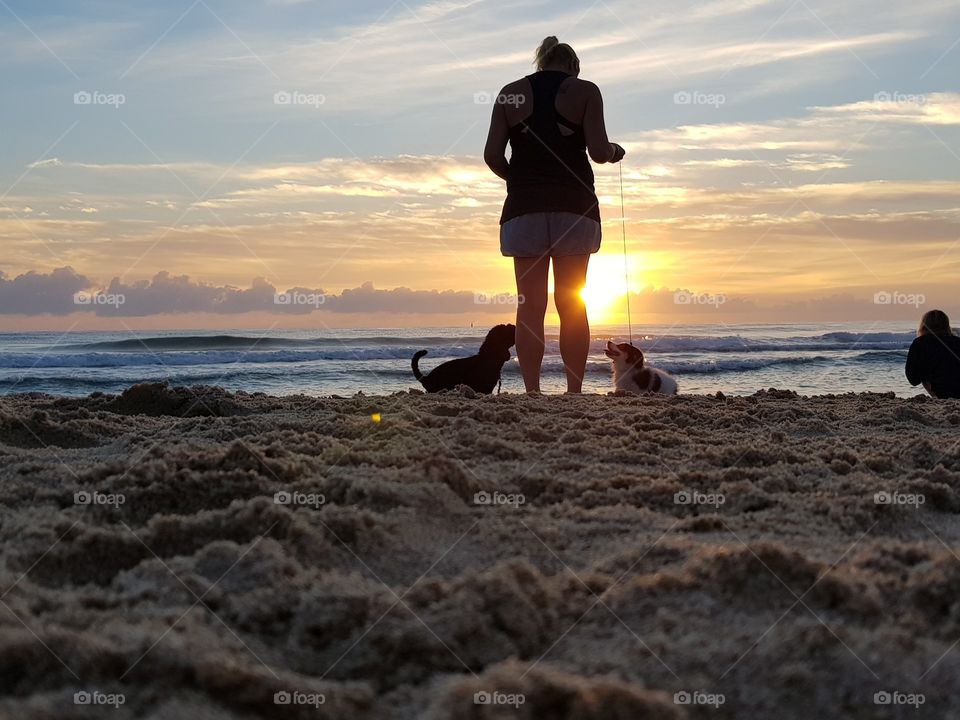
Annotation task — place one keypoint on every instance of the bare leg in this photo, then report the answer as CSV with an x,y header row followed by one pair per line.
x,y
532,275
569,277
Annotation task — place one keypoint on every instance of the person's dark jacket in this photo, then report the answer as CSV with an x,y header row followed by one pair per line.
x,y
935,361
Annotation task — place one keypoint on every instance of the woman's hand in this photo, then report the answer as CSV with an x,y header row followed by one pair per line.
x,y
618,153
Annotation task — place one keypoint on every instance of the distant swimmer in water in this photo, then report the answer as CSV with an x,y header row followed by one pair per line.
x,y
934,357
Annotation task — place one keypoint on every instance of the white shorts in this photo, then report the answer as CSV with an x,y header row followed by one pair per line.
x,y
550,234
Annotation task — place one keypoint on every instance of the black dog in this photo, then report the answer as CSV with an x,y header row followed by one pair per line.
x,y
481,371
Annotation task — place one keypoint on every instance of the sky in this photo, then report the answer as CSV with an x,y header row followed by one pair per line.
x,y
207,163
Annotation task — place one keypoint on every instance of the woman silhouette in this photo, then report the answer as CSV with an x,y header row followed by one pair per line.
x,y
934,357
551,120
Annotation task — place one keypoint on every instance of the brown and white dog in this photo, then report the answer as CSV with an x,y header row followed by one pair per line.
x,y
629,372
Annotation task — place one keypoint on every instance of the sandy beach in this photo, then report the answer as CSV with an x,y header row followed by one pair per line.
x,y
194,553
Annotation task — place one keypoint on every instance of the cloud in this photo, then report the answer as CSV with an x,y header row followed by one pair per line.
x,y
789,134
328,186
192,168
50,162
683,164
34,293
416,56
64,291
942,108
367,299
843,129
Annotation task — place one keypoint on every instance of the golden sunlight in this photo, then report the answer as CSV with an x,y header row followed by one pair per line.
x,y
607,284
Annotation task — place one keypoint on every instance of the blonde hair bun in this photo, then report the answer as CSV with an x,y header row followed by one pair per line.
x,y
551,50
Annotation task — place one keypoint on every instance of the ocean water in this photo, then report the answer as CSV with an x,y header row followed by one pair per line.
x,y
734,359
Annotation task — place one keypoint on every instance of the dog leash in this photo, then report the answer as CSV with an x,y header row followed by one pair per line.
x,y
626,271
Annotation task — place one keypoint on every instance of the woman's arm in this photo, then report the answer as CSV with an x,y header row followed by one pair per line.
x,y
494,154
598,144
914,369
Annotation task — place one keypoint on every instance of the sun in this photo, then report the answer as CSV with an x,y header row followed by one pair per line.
x,y
607,285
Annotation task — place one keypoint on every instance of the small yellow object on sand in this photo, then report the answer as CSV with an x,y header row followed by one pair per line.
x,y
376,417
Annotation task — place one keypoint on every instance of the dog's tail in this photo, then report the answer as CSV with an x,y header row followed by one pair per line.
x,y
414,364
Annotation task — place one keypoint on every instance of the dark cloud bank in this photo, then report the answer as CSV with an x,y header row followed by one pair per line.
x,y
64,291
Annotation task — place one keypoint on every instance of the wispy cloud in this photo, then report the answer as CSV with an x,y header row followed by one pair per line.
x,y
896,106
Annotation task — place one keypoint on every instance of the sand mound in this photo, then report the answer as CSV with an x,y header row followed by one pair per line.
x,y
38,429
514,690
160,399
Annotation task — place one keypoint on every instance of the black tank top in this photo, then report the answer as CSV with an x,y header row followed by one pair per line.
x,y
549,171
